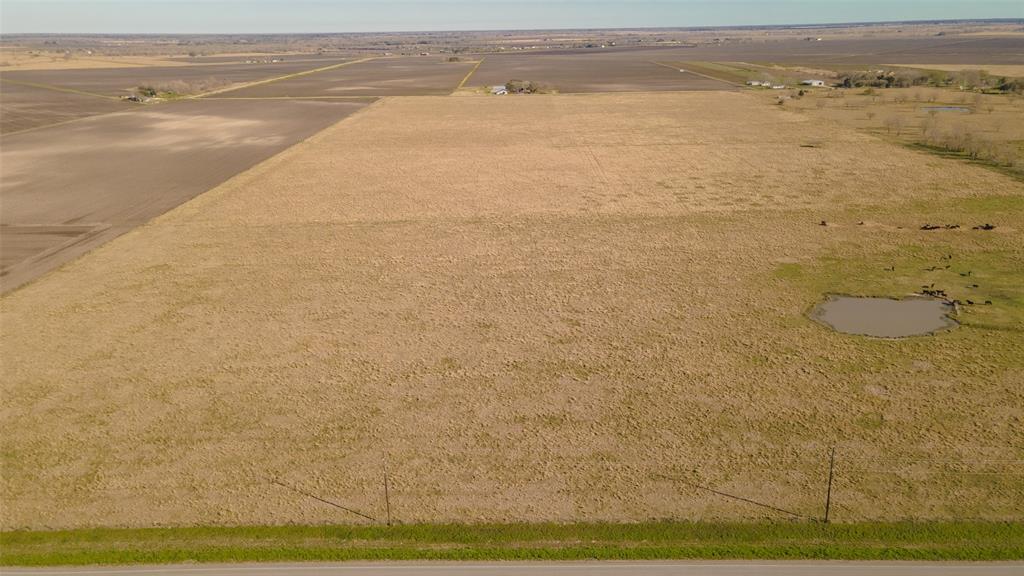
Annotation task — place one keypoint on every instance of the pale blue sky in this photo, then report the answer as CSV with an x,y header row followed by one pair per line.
x,y
252,16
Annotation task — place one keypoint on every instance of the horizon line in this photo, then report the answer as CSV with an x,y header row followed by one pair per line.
x,y
1008,20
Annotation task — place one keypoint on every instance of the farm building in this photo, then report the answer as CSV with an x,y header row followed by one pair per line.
x,y
499,90
813,82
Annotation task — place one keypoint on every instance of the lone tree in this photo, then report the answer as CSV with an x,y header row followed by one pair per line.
x,y
894,124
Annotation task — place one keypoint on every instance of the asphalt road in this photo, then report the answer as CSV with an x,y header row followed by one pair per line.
x,y
721,568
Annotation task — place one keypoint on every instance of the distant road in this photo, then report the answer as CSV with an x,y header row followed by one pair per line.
x,y
721,568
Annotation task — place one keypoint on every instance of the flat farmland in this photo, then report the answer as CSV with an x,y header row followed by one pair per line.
x,y
63,194
408,76
575,72
1008,70
577,321
23,107
320,59
943,50
124,81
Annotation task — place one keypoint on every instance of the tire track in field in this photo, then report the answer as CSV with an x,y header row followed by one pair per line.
x,y
60,89
469,74
285,77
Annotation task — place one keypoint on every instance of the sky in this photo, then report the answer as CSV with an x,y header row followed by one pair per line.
x,y
298,16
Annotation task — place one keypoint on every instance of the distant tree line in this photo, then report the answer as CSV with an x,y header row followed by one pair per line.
x,y
906,78
174,88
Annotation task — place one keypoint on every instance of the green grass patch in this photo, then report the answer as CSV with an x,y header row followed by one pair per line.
x,y
717,70
651,540
995,277
972,266
997,205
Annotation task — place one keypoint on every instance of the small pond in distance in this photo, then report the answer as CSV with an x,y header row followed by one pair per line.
x,y
947,108
884,317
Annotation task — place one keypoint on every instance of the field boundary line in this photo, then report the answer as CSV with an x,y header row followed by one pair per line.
x,y
697,74
290,97
59,89
285,77
469,74
255,169
63,122
157,218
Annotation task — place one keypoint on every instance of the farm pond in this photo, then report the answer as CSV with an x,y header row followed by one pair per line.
x,y
946,108
884,317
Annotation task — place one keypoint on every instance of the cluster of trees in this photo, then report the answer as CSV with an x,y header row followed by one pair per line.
x,y
893,79
525,87
905,78
962,140
181,87
1014,85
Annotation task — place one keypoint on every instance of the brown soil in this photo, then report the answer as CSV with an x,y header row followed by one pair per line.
x,y
122,81
409,76
575,72
24,107
58,182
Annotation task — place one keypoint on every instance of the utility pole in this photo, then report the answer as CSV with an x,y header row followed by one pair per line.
x,y
828,495
387,496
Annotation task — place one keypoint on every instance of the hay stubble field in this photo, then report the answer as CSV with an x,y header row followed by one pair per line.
x,y
544,308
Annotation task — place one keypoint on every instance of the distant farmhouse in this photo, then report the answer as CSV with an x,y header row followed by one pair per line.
x,y
766,84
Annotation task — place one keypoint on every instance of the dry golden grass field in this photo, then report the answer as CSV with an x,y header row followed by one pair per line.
x,y
547,307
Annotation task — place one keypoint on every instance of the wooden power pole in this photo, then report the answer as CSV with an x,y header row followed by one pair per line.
x,y
387,496
828,494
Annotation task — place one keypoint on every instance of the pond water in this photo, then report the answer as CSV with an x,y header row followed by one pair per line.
x,y
884,317
947,108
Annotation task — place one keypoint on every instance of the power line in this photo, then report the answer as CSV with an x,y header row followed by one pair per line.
x,y
328,502
734,497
